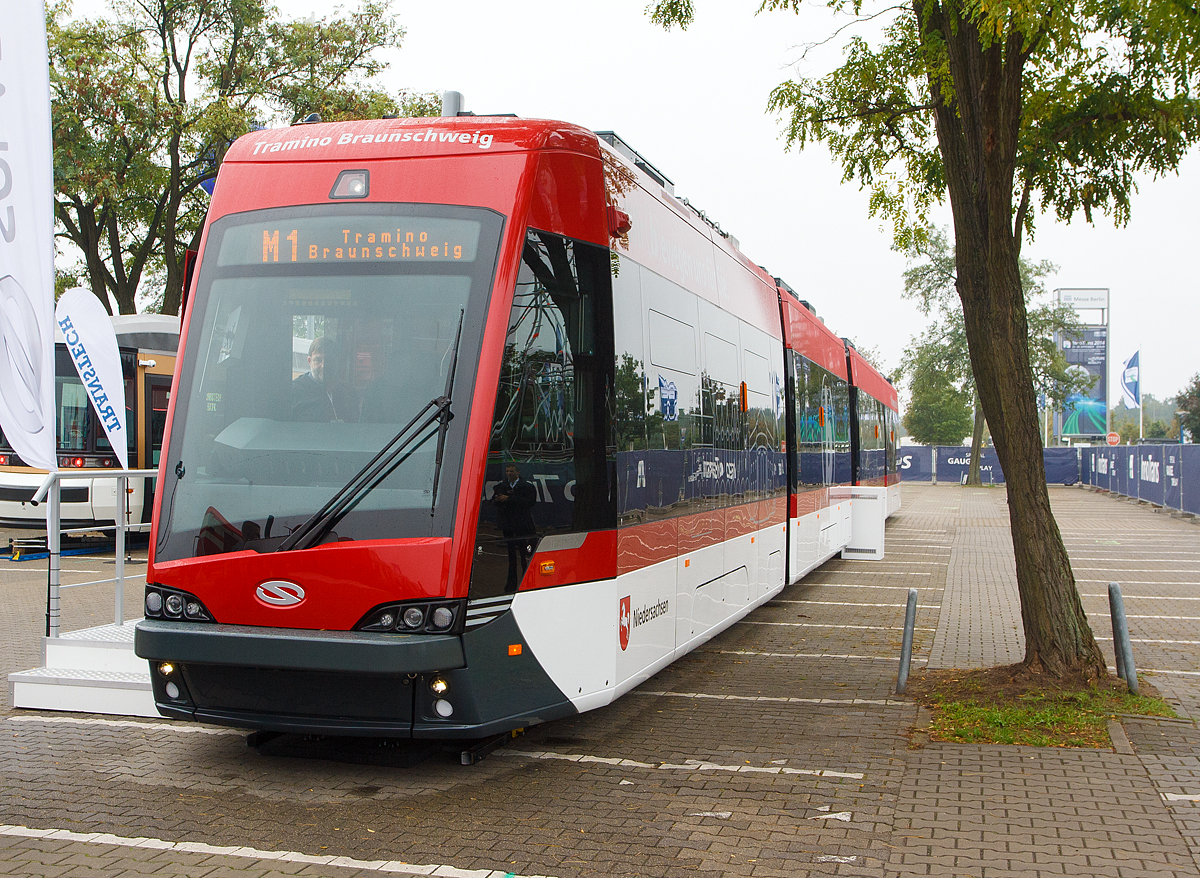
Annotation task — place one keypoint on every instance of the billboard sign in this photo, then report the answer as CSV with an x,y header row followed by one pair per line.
x,y
1086,414
1084,300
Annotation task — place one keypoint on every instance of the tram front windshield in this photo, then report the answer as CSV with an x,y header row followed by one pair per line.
x,y
316,335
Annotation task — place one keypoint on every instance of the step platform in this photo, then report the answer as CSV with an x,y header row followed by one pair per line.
x,y
88,671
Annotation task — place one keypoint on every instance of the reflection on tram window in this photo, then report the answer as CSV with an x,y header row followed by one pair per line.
x,y
552,418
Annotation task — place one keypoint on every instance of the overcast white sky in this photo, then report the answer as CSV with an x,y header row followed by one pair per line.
x,y
693,103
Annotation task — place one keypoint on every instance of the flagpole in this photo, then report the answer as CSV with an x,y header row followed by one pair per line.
x,y
1141,408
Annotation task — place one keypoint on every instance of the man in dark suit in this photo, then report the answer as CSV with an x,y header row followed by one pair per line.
x,y
514,498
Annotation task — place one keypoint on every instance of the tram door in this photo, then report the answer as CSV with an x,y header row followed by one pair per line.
x,y
154,423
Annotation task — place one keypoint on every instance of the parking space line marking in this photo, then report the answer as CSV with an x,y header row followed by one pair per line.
x,y
1142,597
780,699
1141,581
860,627
816,603
889,573
686,765
816,655
195,847
857,585
127,724
1130,569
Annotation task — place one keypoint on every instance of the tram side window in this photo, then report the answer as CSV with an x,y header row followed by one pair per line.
x,y
72,404
129,374
679,419
822,413
551,419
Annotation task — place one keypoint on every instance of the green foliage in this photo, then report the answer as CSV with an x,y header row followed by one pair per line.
x,y
938,413
1158,418
931,280
147,100
1188,402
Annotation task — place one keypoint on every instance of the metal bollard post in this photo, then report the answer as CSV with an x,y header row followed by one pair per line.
x,y
1121,645
910,622
1116,631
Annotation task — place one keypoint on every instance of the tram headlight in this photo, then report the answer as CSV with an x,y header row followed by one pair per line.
x,y
414,617
387,620
153,603
173,605
444,708
438,685
442,618
166,669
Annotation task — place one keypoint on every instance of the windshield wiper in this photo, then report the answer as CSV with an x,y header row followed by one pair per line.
x,y
383,464
446,414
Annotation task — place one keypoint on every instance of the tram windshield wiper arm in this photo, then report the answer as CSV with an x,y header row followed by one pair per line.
x,y
378,468
446,415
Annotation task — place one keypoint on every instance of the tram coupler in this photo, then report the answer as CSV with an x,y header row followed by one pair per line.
x,y
480,749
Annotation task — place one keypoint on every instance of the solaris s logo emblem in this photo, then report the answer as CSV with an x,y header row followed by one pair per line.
x,y
279,593
21,367
625,622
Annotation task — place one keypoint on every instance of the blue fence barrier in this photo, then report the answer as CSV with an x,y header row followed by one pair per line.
x,y
1190,479
915,463
1062,465
950,463
1166,475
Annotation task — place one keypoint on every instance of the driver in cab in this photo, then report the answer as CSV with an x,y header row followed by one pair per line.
x,y
315,397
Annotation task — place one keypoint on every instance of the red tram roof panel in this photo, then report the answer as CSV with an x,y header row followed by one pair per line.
x,y
864,377
808,336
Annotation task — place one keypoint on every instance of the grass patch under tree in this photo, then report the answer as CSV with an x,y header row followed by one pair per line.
x,y
1012,705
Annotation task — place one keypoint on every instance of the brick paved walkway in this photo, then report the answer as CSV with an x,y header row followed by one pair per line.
x,y
776,749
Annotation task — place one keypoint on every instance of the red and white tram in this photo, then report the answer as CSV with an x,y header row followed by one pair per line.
x,y
478,426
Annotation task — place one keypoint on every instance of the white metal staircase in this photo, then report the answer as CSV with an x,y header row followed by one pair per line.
x,y
88,671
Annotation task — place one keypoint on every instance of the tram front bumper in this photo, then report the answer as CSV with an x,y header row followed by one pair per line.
x,y
331,682
296,648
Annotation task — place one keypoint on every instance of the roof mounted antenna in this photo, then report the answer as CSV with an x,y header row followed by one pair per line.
x,y
452,104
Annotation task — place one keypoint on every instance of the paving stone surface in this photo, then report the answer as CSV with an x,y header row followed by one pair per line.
x,y
776,749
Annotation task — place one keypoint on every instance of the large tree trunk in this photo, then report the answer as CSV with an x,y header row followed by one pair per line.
x,y
977,135
973,478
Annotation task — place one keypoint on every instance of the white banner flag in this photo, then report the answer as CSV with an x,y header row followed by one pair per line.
x,y
26,236
92,344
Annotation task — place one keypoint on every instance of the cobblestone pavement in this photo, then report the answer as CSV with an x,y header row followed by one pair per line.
x,y
776,749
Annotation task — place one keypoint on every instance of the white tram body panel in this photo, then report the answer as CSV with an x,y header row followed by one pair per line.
x,y
598,640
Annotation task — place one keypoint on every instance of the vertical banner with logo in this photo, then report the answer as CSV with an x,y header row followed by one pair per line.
x,y
1172,492
26,236
1150,474
1130,383
92,344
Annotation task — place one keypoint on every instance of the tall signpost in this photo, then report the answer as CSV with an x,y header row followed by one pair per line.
x,y
1086,416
